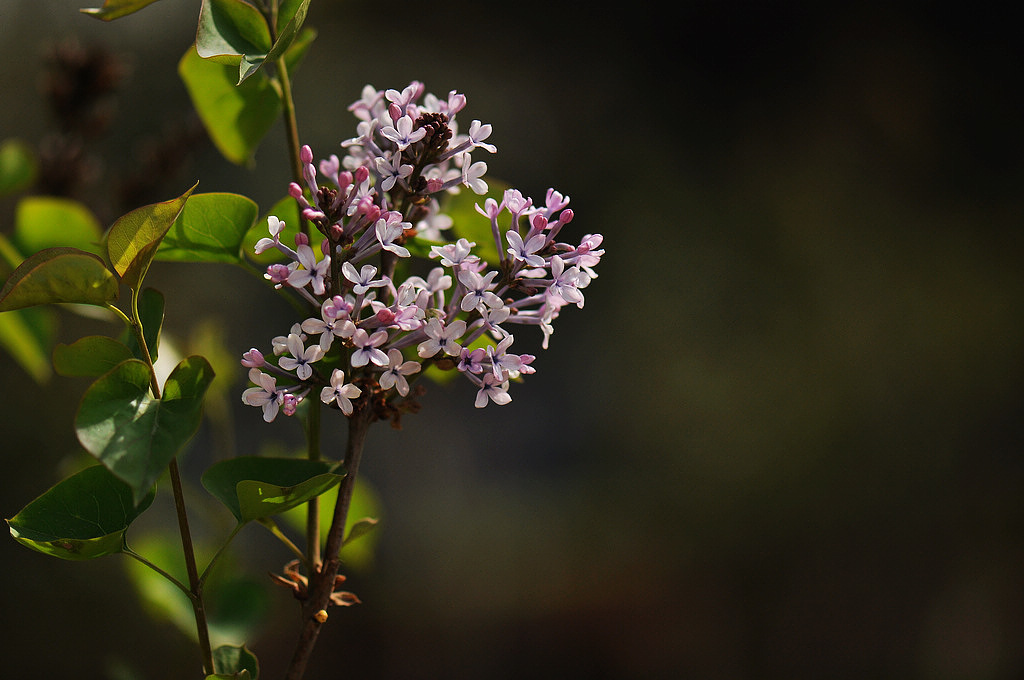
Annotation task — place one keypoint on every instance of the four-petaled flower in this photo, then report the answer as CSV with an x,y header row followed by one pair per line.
x,y
394,375
265,395
442,338
479,295
402,134
301,357
340,392
493,389
367,351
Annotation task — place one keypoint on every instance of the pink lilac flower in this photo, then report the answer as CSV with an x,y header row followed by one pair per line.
x,y
275,226
367,351
390,229
313,272
265,395
526,252
340,392
472,175
479,295
492,389
394,375
363,279
442,338
301,357
402,133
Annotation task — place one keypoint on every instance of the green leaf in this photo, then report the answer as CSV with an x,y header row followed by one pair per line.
x,y
82,517
17,166
254,487
115,9
134,238
151,314
90,356
59,275
360,528
236,117
233,662
467,223
363,512
233,32
210,228
236,602
27,335
134,434
286,210
46,222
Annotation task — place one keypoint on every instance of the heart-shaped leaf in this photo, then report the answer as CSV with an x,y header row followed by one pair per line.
x,y
134,238
17,166
253,487
45,222
115,9
59,275
134,434
210,228
90,356
82,517
235,662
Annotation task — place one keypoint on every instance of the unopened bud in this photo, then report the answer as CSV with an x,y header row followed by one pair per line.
x,y
321,616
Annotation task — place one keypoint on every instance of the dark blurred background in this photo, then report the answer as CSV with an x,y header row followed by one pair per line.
x,y
783,439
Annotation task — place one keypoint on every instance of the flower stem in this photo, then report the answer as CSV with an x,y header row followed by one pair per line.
x,y
322,581
195,585
313,507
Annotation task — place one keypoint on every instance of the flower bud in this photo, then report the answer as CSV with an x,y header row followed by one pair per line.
x,y
253,358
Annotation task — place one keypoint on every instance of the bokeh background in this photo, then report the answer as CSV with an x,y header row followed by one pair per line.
x,y
784,437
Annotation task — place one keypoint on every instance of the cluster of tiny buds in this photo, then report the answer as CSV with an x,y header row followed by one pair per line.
x,y
376,320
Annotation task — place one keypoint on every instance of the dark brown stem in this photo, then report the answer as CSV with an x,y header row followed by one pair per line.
x,y
321,583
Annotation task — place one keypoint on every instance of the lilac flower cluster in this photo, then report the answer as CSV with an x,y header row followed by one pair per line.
x,y
376,321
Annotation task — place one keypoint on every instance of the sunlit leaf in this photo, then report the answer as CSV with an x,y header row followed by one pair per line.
x,y
48,222
253,487
151,314
115,9
237,117
236,602
82,517
134,238
232,662
364,512
27,335
59,275
132,433
210,228
90,356
18,166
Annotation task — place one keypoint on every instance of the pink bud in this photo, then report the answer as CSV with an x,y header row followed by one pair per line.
x,y
253,358
540,223
565,217
362,173
306,154
386,317
394,111
289,404
301,239
294,190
